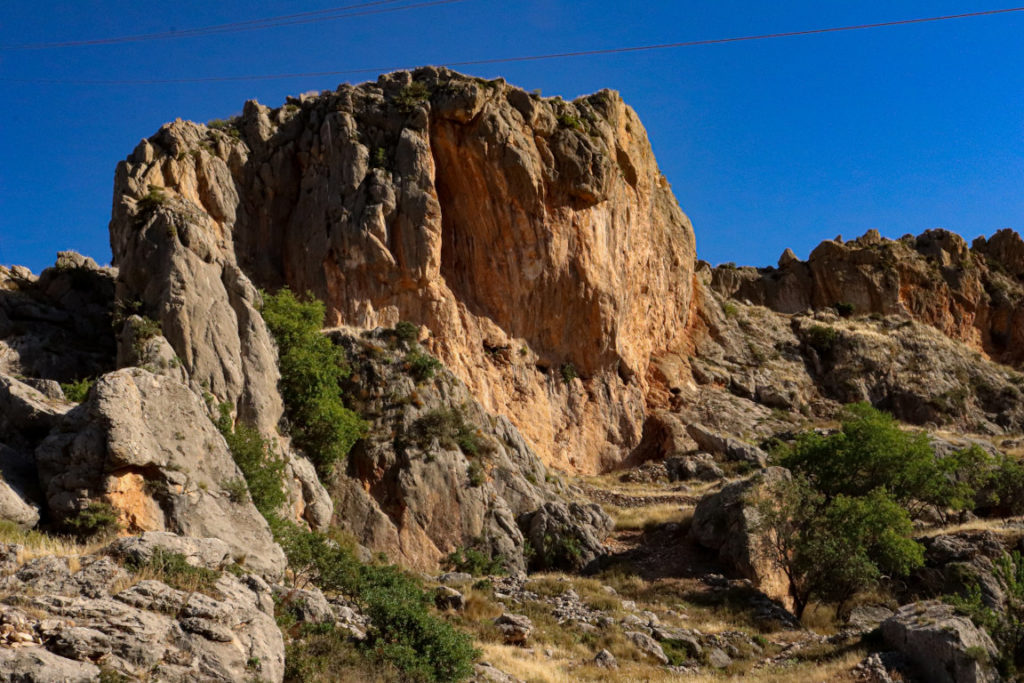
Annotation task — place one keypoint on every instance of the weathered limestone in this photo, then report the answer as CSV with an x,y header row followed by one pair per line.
x,y
535,238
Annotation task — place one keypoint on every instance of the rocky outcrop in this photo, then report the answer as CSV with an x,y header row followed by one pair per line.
x,y
66,617
944,647
534,238
436,471
143,444
771,364
57,326
970,294
566,536
726,521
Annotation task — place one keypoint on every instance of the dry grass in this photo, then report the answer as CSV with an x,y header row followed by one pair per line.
x,y
999,526
637,518
562,667
36,544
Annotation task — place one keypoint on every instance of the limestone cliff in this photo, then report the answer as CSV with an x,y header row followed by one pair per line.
x,y
970,294
534,238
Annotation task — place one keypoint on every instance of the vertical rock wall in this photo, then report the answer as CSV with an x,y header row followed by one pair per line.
x,y
534,238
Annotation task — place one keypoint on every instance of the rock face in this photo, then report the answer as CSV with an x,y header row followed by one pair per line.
x,y
68,616
535,238
726,521
437,472
143,444
945,647
772,363
970,294
57,326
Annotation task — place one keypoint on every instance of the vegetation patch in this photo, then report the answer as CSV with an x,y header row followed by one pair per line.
x,y
449,427
822,338
412,96
77,391
404,633
844,520
98,519
421,365
174,570
476,562
262,468
311,369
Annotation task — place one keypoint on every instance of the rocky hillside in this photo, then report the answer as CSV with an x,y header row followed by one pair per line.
x,y
515,432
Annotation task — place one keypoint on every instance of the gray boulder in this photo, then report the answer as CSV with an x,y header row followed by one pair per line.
x,y
211,553
648,645
566,535
37,665
726,521
945,647
143,444
726,446
696,466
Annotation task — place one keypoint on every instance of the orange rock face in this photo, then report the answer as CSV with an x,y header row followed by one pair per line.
x,y
970,294
535,240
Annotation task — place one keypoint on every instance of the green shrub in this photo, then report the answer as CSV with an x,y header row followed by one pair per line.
x,y
97,519
154,197
237,490
570,121
311,369
174,570
380,158
822,338
420,365
407,332
475,562
77,391
449,427
411,96
872,452
568,371
830,549
845,518
475,472
263,469
1006,625
845,309
729,309
403,634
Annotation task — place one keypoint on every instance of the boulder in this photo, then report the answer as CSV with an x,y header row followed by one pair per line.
x,y
697,466
57,327
514,628
647,645
726,521
83,614
446,598
37,665
725,446
943,646
143,444
210,553
566,535
606,660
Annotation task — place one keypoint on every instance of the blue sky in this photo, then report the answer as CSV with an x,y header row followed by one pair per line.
x,y
767,144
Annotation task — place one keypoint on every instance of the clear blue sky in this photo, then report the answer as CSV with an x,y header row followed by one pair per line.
x,y
767,144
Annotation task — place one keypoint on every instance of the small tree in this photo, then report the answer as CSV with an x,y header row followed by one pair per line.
x,y
872,452
830,549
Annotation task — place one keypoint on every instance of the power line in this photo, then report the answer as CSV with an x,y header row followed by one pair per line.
x,y
527,58
311,17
